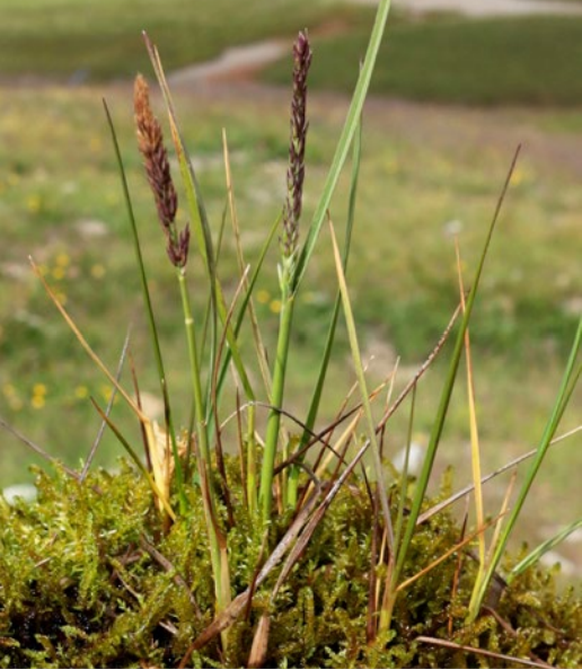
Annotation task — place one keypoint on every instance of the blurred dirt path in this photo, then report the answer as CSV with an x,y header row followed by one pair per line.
x,y
486,7
234,63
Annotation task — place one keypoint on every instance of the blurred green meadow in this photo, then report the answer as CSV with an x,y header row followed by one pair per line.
x,y
429,172
103,40
532,60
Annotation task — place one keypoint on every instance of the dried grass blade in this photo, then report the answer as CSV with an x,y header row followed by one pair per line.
x,y
341,441
464,542
504,510
108,409
439,507
480,652
38,450
357,358
475,451
457,573
258,653
420,372
372,609
135,458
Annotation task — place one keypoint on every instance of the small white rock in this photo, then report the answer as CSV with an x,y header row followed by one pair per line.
x,y
91,228
415,459
567,566
26,492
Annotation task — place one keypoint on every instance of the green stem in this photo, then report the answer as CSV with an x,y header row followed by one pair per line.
x,y
274,420
404,473
203,451
251,462
194,368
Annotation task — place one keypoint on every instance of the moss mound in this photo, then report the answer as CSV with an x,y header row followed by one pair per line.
x,y
89,578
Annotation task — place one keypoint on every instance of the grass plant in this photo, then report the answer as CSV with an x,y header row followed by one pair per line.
x,y
307,547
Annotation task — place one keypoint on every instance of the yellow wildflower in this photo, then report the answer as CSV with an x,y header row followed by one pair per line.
x,y
58,273
275,306
81,392
97,271
37,401
263,296
33,203
63,260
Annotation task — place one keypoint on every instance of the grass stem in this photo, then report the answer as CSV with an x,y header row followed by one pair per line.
x,y
274,419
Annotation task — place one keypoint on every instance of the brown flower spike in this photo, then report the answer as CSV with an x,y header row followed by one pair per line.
x,y
296,170
151,145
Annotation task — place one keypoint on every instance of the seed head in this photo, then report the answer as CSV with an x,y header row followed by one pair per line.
x,y
178,248
155,156
298,135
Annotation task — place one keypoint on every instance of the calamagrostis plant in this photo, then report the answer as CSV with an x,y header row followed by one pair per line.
x,y
289,240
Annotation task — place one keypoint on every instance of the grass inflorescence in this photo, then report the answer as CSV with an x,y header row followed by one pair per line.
x,y
308,547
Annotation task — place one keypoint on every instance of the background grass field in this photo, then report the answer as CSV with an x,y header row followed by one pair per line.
x,y
449,59
427,171
103,41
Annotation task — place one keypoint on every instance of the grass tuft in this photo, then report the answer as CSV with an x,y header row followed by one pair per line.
x,y
307,547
